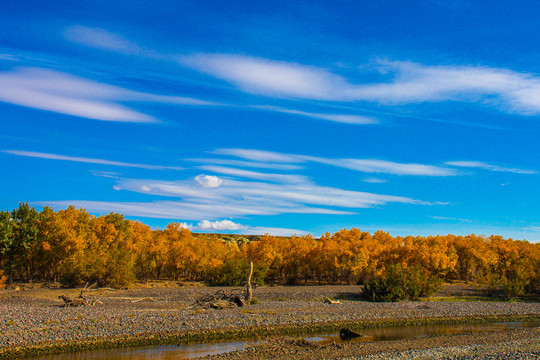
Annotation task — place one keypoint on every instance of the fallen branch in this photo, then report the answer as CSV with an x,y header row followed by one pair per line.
x,y
330,301
220,300
68,302
134,300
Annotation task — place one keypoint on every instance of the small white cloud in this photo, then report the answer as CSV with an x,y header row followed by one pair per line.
x,y
117,188
219,225
146,188
490,167
187,226
208,181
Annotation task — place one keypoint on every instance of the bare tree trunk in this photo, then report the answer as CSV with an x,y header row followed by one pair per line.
x,y
249,288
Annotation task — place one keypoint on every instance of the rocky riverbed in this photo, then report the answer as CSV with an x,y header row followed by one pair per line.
x,y
511,344
32,321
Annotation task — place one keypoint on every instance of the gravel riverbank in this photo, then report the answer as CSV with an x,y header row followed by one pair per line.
x,y
511,344
32,321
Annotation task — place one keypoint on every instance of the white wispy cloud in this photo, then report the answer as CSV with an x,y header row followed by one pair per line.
x,y
262,155
49,156
408,82
106,174
404,81
71,95
100,38
490,167
374,180
65,94
243,163
282,178
235,197
262,76
185,210
362,165
341,118
388,167
449,218
276,231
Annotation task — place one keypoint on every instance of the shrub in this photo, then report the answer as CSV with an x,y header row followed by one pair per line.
x,y
511,285
399,283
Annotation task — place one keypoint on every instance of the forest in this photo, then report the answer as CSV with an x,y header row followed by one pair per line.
x,y
72,247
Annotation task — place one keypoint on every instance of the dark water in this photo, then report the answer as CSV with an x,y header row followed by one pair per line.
x,y
186,351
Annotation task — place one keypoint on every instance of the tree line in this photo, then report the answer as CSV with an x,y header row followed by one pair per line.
x,y
73,247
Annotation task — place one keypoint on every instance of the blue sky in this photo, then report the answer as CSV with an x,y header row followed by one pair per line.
x,y
417,117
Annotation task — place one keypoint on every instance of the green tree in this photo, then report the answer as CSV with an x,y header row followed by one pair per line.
x,y
24,240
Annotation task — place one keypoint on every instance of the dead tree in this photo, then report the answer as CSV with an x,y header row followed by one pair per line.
x,y
249,288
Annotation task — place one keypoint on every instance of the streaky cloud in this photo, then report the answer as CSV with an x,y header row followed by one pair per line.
x,y
86,160
180,210
268,77
362,165
374,180
262,155
340,118
249,164
490,167
102,39
67,94
510,91
282,178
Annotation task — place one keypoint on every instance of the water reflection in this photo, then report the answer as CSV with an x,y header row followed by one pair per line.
x,y
403,332
187,351
169,352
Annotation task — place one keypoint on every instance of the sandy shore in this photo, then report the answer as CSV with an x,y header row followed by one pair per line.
x,y
31,321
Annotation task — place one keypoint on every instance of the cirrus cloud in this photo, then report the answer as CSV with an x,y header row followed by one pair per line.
x,y
406,82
